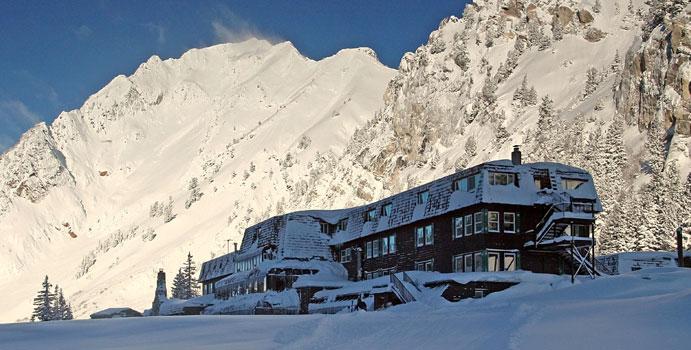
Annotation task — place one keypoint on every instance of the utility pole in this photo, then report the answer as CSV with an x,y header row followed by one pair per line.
x,y
227,246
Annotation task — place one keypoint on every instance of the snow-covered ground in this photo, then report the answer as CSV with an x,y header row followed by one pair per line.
x,y
647,309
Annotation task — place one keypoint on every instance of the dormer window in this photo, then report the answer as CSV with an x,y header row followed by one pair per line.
x,y
571,184
342,225
422,197
326,227
386,209
370,215
502,179
465,184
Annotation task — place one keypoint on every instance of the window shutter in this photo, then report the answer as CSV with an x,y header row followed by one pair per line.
x,y
484,261
485,220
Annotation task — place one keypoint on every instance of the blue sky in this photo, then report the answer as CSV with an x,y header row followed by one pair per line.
x,y
54,54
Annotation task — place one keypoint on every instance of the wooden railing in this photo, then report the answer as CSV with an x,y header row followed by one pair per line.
x,y
400,289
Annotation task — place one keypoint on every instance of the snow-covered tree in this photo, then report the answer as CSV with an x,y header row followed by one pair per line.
x,y
471,146
62,310
168,215
655,148
185,285
195,193
597,7
43,303
178,286
557,29
591,81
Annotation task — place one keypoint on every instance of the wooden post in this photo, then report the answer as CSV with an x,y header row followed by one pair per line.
x,y
680,247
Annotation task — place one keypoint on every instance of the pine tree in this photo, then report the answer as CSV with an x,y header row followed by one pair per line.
x,y
43,303
591,81
557,29
189,272
61,309
185,285
178,285
195,194
168,215
655,148
471,146
597,7
545,124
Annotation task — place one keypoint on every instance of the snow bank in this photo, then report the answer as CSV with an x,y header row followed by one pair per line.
x,y
641,310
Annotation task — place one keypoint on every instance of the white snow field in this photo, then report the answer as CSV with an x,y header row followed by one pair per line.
x,y
647,309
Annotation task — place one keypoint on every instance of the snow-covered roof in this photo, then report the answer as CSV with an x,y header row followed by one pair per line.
x,y
115,312
217,267
298,234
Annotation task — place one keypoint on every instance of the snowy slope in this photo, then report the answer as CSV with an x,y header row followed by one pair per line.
x,y
643,310
245,119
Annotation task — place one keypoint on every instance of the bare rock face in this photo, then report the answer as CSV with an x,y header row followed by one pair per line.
x,y
657,83
584,16
564,15
32,167
594,35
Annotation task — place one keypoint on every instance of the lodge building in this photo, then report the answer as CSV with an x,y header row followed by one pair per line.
x,y
497,216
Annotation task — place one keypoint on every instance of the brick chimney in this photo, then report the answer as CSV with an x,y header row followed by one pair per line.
x,y
516,155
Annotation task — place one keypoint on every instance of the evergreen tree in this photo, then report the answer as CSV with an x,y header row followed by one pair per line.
x,y
61,310
591,81
168,215
189,272
195,194
471,146
43,303
178,285
655,148
557,29
545,127
597,7
185,285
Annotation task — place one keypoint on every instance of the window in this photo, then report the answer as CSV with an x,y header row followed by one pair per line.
x,y
384,246
468,266
458,263
386,209
509,222
509,261
327,228
370,215
422,197
468,225
478,222
493,262
392,244
429,235
541,181
478,262
493,221
375,248
342,225
571,184
471,182
369,250
424,235
501,179
458,227
427,265
581,230
345,255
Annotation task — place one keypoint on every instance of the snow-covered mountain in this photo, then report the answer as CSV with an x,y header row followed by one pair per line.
x,y
105,196
248,121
